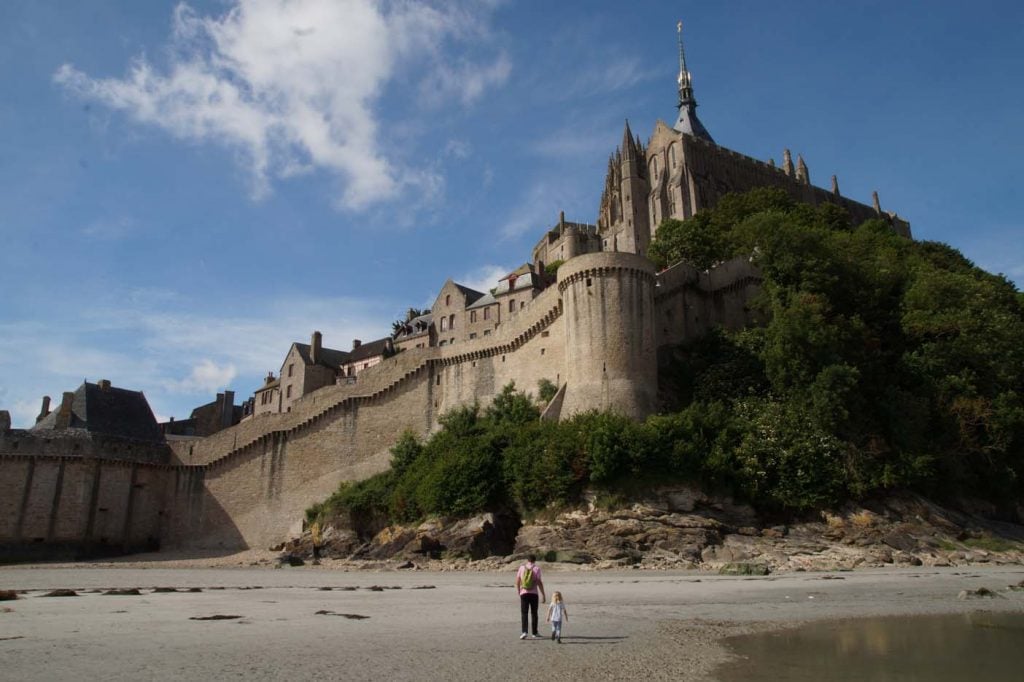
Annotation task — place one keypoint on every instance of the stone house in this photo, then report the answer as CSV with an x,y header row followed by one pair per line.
x,y
365,355
449,311
418,332
307,368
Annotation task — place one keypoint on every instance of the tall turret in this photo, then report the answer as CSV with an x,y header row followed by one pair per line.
x,y
687,122
611,361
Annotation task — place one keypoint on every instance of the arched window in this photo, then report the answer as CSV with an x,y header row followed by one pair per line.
x,y
444,324
654,168
447,299
451,322
672,154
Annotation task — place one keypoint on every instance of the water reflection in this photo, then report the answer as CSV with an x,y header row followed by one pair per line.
x,y
987,646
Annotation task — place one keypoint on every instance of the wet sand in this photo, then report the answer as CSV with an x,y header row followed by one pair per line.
x,y
623,624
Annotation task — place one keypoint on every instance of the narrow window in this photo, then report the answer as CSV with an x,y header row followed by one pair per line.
x,y
289,393
487,313
472,335
472,316
512,306
589,282
448,299
487,332
542,351
291,369
444,324
437,381
451,322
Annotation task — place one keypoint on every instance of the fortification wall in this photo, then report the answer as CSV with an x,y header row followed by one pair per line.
x,y
608,301
78,505
690,302
81,443
257,494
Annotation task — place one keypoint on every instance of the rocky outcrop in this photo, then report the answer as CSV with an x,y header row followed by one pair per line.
x,y
682,527
474,538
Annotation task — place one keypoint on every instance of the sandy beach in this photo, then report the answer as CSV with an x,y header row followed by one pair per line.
x,y
454,625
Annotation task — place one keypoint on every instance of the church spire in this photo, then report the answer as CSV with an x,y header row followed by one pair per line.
x,y
687,122
629,146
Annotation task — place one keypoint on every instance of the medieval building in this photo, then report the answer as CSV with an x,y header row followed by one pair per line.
x,y
589,313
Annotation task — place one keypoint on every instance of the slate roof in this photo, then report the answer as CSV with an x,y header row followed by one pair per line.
x,y
482,302
111,412
370,349
471,295
276,383
529,280
418,326
329,357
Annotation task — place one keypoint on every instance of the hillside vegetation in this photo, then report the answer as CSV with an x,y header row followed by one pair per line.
x,y
884,363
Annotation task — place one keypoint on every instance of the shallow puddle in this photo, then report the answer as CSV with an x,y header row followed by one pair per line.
x,y
975,646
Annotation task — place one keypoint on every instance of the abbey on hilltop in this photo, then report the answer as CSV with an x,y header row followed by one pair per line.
x,y
91,475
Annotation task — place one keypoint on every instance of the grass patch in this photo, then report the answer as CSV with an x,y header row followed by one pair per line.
x,y
992,544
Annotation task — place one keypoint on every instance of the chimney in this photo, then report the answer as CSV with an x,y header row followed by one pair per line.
x,y
227,410
269,380
316,347
356,343
63,420
45,409
104,385
835,186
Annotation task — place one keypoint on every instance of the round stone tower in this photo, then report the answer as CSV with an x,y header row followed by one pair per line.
x,y
608,308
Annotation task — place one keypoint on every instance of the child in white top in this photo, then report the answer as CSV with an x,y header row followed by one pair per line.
x,y
556,614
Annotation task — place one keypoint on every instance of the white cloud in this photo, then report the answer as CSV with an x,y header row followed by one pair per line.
x,y
291,85
206,377
464,81
485,277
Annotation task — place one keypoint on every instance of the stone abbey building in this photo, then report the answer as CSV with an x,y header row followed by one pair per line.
x,y
594,329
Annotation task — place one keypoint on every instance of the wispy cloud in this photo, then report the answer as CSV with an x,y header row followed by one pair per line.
x,y
110,228
578,141
292,85
537,210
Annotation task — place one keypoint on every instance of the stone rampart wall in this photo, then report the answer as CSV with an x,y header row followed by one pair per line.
x,y
79,504
689,302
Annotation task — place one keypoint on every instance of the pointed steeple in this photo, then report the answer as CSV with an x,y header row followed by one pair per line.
x,y
687,122
787,162
835,186
802,174
629,146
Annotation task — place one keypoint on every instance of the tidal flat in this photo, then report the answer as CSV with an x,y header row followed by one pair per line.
x,y
304,622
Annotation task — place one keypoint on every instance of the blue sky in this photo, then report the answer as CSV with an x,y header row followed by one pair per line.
x,y
186,188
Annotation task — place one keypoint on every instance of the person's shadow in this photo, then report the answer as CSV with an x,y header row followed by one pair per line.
x,y
584,639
